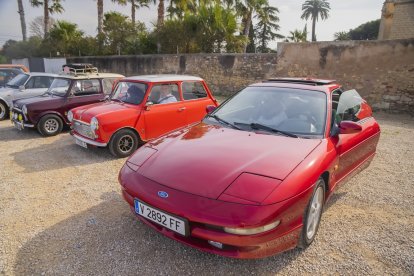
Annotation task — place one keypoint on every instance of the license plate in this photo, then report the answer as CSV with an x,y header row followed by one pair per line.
x,y
173,223
81,143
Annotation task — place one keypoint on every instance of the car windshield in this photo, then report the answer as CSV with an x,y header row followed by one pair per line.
x,y
284,111
18,81
59,87
129,92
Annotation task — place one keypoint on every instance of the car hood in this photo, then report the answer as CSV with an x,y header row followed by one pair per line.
x,y
206,159
36,99
102,109
6,91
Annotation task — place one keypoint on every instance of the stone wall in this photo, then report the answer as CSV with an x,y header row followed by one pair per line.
x,y
224,73
382,71
397,20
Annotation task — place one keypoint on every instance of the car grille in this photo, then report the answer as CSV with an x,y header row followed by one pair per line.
x,y
83,129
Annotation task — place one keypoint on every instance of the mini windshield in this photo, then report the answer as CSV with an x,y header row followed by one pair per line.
x,y
292,112
59,87
129,92
18,81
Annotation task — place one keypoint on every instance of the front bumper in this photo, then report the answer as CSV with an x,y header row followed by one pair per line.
x,y
19,120
88,141
207,217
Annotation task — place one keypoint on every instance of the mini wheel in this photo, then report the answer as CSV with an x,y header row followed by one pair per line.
x,y
4,111
50,125
123,143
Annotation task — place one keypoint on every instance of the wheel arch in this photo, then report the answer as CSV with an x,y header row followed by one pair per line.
x,y
325,177
50,113
140,141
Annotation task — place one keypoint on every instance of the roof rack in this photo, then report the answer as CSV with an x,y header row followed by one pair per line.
x,y
308,81
79,69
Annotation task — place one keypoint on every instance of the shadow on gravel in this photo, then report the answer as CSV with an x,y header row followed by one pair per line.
x,y
334,198
10,133
107,239
59,154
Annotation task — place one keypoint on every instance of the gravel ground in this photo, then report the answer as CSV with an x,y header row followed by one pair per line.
x,y
61,213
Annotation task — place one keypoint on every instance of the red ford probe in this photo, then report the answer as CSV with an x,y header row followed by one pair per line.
x,y
251,179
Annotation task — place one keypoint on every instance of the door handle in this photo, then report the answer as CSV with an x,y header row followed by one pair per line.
x,y
182,109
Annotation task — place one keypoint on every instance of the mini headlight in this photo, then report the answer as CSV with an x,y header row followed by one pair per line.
x,y
70,116
252,231
94,124
24,110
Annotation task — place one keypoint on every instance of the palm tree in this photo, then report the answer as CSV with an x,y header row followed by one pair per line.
x,y
314,9
22,19
298,36
48,8
246,8
99,4
267,26
135,4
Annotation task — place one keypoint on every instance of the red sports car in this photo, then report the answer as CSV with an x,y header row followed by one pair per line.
x,y
251,179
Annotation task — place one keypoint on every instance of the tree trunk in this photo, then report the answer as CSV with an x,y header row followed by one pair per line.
x,y
46,16
22,19
246,29
133,11
313,28
100,16
160,21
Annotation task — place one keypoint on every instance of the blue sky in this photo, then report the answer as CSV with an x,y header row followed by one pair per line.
x,y
344,15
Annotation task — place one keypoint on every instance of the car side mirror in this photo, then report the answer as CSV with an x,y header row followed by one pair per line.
x,y
148,105
21,87
210,108
349,127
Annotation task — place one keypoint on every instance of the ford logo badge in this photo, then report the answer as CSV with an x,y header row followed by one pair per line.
x,y
162,194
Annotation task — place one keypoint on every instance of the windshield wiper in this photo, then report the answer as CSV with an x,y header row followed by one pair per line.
x,y
218,119
267,128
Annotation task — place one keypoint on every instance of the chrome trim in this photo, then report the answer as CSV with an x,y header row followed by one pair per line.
x,y
22,124
82,122
15,108
94,143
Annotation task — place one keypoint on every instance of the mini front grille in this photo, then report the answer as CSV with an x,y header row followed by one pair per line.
x,y
83,129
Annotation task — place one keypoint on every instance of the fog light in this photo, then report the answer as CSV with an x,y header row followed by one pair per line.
x,y
216,244
20,117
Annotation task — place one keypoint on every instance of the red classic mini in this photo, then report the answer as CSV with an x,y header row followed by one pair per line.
x,y
251,179
139,109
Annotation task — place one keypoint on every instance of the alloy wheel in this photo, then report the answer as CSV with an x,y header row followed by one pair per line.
x,y
314,213
126,143
51,125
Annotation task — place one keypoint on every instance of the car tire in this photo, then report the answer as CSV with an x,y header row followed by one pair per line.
x,y
312,215
4,111
123,143
50,125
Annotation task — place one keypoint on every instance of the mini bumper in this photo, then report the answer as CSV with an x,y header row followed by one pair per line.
x,y
88,141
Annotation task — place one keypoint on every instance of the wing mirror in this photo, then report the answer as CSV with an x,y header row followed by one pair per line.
x,y
349,127
21,87
210,108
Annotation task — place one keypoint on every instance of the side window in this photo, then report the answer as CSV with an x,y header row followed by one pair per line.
x,y
164,93
30,84
86,87
193,90
350,107
107,85
335,100
42,82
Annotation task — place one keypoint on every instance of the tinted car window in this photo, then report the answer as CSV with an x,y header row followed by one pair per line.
x,y
129,92
350,107
164,94
86,87
302,112
193,90
18,81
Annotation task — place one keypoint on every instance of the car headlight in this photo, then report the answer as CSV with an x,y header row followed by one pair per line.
x,y
94,124
70,116
252,231
24,110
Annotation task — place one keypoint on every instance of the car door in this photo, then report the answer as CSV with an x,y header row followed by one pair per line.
x,y
83,92
196,100
35,86
354,148
163,113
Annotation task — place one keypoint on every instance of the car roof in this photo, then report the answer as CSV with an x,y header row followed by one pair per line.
x,y
90,76
300,83
35,74
163,78
16,66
